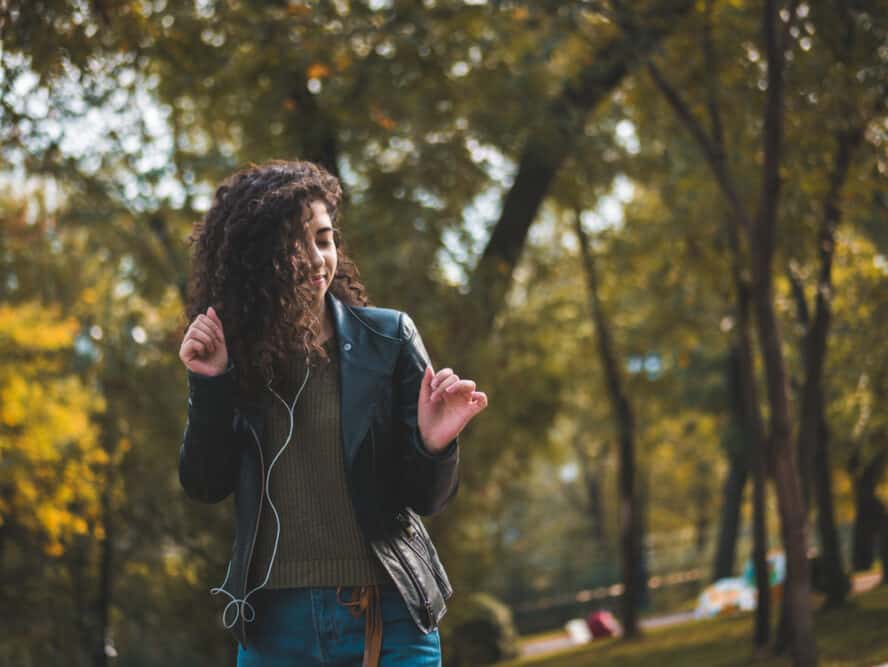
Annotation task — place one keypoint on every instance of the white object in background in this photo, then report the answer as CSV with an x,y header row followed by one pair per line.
x,y
724,597
578,631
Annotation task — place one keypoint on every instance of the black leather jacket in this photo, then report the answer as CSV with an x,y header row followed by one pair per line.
x,y
391,476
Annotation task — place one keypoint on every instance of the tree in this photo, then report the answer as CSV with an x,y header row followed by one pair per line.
x,y
624,421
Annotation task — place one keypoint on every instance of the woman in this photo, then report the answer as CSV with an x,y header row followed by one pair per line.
x,y
326,419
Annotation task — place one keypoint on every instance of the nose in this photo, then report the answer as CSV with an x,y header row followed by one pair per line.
x,y
315,257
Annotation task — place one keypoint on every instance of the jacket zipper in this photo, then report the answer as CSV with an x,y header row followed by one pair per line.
x,y
414,579
429,565
411,532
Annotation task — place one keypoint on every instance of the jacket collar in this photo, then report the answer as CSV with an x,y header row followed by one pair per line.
x,y
366,362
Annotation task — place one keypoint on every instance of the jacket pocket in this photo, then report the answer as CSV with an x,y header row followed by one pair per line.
x,y
419,542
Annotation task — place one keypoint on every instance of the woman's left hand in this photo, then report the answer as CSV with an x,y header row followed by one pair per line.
x,y
446,404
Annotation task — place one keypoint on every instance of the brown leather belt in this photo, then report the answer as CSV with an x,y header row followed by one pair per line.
x,y
367,600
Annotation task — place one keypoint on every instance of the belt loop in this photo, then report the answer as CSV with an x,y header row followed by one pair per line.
x,y
367,600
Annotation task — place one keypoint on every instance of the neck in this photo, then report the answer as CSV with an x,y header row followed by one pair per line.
x,y
323,313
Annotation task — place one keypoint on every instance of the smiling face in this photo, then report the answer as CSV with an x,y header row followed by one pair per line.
x,y
321,249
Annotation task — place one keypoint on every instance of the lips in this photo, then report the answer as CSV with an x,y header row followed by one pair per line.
x,y
318,280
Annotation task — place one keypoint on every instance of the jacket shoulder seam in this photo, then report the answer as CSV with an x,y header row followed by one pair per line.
x,y
373,329
411,329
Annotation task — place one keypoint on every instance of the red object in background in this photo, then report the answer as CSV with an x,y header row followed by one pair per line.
x,y
603,624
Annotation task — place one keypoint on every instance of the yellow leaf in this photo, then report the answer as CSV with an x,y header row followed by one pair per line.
x,y
27,490
342,61
317,71
298,9
381,119
54,549
99,456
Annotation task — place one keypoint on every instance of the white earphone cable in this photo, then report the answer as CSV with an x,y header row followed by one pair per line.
x,y
241,605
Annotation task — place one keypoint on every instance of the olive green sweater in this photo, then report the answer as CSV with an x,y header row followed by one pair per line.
x,y
320,542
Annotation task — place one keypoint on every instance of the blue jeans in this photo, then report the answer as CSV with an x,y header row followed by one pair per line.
x,y
309,626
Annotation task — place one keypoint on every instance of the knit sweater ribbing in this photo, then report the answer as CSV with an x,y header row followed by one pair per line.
x,y
320,541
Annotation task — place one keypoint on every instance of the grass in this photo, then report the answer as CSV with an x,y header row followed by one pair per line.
x,y
856,634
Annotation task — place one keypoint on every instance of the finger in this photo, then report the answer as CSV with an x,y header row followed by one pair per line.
x,y
213,315
213,327
440,376
194,349
479,400
216,329
207,327
425,387
443,385
204,338
461,387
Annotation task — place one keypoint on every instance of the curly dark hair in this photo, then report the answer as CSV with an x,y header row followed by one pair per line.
x,y
247,263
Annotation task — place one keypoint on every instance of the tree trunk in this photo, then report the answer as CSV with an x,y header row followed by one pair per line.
x,y
630,512
758,446
760,547
106,562
738,472
311,131
883,546
596,509
813,442
729,527
642,493
702,523
797,592
78,566
789,492
547,147
715,153
867,511
836,583
593,503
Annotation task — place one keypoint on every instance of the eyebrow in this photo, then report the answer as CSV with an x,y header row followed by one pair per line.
x,y
323,229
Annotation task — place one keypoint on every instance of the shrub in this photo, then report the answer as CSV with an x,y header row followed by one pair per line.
x,y
478,630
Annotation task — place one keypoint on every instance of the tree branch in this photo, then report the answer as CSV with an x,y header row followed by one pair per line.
x,y
772,133
709,148
546,150
712,92
798,293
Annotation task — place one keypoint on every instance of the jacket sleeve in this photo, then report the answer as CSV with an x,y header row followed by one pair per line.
x,y
428,480
209,455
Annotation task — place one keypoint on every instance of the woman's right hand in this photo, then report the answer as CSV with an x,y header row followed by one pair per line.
x,y
203,347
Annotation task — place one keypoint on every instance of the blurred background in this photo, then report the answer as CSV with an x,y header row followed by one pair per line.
x,y
654,232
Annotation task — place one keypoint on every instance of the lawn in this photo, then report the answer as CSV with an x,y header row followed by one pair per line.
x,y
854,635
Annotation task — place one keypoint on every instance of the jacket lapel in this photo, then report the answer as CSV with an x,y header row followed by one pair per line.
x,y
366,362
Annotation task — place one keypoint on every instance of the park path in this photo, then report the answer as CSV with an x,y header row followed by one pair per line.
x,y
860,584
